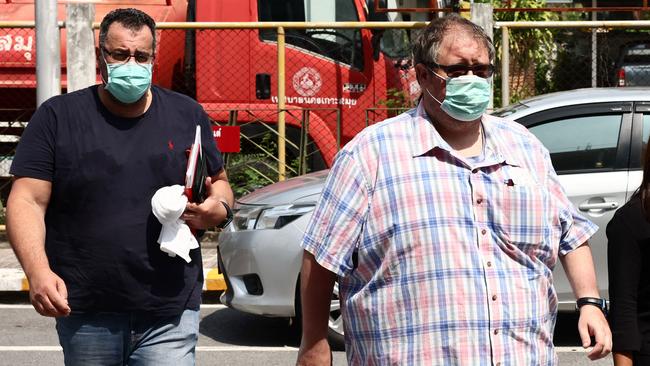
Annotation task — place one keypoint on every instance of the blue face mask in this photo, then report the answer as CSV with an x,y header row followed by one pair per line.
x,y
466,97
128,82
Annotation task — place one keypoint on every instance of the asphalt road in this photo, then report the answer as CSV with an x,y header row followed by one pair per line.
x,y
227,337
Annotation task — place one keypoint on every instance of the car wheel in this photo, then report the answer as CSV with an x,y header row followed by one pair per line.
x,y
335,323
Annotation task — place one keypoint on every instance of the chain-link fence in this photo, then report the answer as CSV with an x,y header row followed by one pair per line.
x,y
306,89
544,57
324,82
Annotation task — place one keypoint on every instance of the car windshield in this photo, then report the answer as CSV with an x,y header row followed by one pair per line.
x,y
510,109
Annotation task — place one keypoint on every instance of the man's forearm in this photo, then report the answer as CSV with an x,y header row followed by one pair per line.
x,y
220,189
579,268
316,285
26,233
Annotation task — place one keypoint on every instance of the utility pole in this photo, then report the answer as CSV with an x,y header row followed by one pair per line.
x,y
48,51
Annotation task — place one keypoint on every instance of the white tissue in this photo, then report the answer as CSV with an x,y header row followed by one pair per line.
x,y
168,204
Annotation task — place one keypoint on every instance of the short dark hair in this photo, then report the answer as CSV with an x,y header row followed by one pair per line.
x,y
130,18
427,44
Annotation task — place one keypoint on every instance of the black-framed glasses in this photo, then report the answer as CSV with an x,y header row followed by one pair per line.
x,y
456,70
125,56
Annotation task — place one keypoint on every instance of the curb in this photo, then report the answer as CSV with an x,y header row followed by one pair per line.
x,y
14,280
213,280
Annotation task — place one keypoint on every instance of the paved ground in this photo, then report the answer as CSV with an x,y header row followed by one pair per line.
x,y
226,337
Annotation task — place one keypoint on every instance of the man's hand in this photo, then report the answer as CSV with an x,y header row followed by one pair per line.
x,y
207,214
592,322
317,354
48,294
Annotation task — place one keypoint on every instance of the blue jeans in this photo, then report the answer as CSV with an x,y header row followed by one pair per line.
x,y
128,339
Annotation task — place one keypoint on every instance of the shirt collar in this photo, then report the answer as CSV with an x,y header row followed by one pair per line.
x,y
426,138
497,144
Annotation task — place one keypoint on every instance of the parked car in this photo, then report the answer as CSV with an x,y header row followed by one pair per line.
x,y
633,65
595,138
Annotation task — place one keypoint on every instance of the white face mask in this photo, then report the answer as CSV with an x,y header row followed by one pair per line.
x,y
466,97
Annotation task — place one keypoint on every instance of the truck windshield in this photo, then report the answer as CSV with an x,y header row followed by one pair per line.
x,y
394,43
638,54
341,45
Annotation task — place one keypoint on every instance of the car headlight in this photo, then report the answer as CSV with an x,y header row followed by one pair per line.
x,y
268,217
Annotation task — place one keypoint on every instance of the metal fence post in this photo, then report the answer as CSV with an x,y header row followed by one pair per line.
x,y
281,106
232,121
304,141
338,129
505,67
594,50
48,51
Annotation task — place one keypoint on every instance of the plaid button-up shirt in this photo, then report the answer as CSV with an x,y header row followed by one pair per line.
x,y
443,261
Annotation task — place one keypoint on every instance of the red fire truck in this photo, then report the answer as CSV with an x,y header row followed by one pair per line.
x,y
337,76
334,77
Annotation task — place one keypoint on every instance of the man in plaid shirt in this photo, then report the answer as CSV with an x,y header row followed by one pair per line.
x,y
443,226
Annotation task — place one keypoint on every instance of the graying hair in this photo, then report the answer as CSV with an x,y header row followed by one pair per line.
x,y
130,18
426,45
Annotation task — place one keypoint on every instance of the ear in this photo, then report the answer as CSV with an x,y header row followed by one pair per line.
x,y
101,64
421,73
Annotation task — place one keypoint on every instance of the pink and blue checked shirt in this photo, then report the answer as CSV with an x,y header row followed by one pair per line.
x,y
443,261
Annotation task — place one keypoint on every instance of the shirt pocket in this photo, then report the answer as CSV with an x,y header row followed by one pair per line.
x,y
521,214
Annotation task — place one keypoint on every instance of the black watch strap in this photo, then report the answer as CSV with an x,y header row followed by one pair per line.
x,y
228,219
595,301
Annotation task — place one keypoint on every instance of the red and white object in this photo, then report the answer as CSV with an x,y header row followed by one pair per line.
x,y
196,153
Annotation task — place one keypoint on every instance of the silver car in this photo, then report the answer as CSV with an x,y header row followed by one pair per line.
x,y
596,138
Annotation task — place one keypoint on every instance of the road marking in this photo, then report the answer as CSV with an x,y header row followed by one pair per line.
x,y
576,349
26,306
225,349
31,348
15,306
198,349
244,348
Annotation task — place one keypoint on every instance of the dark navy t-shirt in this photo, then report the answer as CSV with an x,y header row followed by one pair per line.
x,y
101,236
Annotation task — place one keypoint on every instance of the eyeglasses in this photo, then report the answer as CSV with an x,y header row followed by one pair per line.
x,y
456,70
124,56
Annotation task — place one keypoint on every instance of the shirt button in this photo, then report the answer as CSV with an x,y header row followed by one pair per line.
x,y
479,201
489,264
496,331
483,231
494,297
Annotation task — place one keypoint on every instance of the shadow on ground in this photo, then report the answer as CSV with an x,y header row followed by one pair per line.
x,y
237,328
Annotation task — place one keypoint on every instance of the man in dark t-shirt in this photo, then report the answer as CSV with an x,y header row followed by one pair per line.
x,y
79,213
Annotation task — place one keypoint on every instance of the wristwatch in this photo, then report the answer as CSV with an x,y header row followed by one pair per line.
x,y
229,217
595,301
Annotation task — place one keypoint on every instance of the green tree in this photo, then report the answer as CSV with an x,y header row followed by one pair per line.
x,y
532,51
